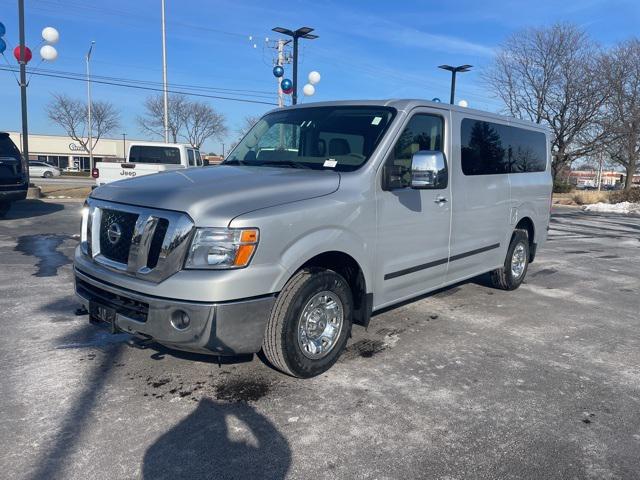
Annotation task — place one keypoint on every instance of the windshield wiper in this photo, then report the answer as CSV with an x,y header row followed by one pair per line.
x,y
286,163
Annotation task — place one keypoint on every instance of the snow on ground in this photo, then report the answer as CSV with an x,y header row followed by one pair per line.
x,y
622,207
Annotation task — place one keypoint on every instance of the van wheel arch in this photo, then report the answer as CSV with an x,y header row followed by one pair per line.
x,y
348,267
526,224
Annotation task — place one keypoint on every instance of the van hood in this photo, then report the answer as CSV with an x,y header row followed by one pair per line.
x,y
213,196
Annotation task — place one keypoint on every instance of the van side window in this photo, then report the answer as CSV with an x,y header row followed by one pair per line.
x,y
423,132
191,157
491,148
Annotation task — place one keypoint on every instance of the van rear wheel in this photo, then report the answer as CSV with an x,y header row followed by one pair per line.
x,y
511,275
309,324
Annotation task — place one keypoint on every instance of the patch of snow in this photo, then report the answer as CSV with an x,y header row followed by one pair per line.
x,y
622,207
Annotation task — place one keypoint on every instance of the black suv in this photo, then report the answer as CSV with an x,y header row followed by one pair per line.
x,y
14,174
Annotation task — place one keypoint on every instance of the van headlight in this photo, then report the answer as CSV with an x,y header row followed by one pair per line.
x,y
222,248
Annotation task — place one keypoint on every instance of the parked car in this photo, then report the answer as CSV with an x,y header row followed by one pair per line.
x,y
43,169
14,174
321,215
148,158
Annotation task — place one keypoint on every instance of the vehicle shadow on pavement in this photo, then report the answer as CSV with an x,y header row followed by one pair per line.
x,y
219,440
32,208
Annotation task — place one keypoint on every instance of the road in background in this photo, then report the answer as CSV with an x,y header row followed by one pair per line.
x,y
469,382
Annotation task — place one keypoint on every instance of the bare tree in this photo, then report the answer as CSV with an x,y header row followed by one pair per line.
x,y
202,122
71,115
621,69
551,76
152,121
247,124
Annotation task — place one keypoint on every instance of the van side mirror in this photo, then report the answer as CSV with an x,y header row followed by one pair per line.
x,y
428,170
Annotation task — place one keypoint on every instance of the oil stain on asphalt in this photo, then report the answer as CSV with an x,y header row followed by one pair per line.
x,y
45,249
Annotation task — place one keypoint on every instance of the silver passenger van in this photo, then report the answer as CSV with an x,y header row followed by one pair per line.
x,y
321,215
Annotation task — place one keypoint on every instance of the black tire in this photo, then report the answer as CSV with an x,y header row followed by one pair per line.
x,y
47,174
503,278
4,208
281,347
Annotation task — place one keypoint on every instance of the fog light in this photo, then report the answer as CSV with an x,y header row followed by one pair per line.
x,y
180,320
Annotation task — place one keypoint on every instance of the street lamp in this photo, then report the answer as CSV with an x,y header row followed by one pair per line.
x,y
454,70
303,32
90,126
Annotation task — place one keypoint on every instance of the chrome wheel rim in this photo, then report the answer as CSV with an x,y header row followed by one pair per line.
x,y
320,325
518,260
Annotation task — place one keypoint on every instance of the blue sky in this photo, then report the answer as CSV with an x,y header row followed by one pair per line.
x,y
366,49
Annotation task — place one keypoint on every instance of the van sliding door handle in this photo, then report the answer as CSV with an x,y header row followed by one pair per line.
x,y
440,200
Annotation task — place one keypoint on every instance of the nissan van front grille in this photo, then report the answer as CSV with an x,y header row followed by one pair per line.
x,y
137,241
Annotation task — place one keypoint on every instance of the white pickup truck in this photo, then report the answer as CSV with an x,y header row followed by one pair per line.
x,y
145,159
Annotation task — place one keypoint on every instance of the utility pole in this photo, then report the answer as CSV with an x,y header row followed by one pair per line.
x,y
23,83
165,93
280,63
90,122
124,146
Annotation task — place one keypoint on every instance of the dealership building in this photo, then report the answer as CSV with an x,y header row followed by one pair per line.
x,y
67,154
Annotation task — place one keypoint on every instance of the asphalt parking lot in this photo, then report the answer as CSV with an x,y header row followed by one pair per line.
x,y
469,382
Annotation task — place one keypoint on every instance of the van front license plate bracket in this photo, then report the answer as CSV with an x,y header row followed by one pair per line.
x,y
99,313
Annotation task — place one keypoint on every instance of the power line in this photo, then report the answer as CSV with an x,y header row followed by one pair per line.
x,y
141,87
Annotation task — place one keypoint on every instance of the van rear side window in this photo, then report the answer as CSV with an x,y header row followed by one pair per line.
x,y
151,154
491,148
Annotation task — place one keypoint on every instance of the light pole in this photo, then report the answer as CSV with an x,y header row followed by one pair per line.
x,y
303,32
23,83
90,123
165,93
124,146
454,70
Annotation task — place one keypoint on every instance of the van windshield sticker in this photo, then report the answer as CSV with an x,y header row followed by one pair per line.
x,y
330,163
376,120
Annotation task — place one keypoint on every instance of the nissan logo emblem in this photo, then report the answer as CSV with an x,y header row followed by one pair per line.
x,y
114,232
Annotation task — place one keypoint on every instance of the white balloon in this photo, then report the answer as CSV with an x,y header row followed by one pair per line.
x,y
309,90
50,35
48,53
314,78
463,103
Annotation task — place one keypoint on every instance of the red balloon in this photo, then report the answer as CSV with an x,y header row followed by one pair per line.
x,y
287,92
27,54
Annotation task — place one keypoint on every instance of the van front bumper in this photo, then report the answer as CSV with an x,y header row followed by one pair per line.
x,y
224,328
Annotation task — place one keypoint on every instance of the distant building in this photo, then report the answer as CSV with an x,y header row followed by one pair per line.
x,y
67,154
589,178
213,159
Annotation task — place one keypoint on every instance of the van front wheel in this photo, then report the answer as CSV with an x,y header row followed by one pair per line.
x,y
511,275
309,324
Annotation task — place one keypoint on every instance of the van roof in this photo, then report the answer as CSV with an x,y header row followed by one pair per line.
x,y
409,104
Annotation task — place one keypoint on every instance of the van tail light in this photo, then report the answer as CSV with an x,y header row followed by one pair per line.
x,y
95,173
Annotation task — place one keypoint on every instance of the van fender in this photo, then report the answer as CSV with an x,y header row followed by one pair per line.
x,y
333,239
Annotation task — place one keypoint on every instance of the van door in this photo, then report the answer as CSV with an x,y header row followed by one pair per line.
x,y
413,225
481,208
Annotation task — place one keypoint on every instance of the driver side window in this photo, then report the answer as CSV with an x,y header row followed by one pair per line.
x,y
423,132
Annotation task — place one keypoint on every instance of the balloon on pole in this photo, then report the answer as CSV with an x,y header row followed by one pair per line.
x,y
463,103
3,46
314,78
27,54
278,71
48,53
3,30
286,85
309,90
50,35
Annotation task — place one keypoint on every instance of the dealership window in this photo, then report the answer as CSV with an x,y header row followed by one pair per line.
x,y
83,163
491,148
59,161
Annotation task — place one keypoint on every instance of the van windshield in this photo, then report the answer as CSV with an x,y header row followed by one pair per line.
x,y
337,138
152,154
